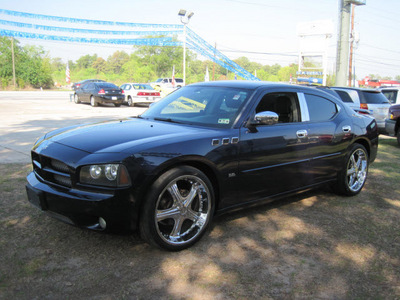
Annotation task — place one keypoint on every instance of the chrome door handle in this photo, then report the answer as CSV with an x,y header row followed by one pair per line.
x,y
302,134
346,128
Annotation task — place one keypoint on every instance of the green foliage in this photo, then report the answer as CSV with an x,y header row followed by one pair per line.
x,y
34,68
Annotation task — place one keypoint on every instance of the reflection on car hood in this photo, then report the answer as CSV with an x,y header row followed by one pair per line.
x,y
121,135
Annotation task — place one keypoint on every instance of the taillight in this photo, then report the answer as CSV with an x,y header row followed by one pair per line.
x,y
78,85
143,94
157,94
364,106
122,92
101,92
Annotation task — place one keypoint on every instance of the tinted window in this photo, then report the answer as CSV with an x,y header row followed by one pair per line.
x,y
374,98
390,95
107,85
319,108
178,80
344,96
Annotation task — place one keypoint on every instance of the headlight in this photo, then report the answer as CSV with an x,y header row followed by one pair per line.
x,y
114,175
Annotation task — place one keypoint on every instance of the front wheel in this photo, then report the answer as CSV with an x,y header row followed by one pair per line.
x,y
117,104
177,209
93,101
353,175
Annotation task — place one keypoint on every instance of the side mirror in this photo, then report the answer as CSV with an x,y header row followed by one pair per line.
x,y
265,118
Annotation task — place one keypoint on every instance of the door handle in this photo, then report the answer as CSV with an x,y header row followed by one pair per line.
x,y
346,128
302,134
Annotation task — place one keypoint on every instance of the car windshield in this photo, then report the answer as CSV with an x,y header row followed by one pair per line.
x,y
207,106
159,80
375,98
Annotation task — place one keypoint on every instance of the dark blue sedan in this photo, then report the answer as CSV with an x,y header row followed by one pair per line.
x,y
204,149
98,93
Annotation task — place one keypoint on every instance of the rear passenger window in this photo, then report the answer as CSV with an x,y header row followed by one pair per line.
x,y
319,108
344,96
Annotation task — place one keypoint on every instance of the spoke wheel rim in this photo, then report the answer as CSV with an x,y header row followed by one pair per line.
x,y
183,210
357,168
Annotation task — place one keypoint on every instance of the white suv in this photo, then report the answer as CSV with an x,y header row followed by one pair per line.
x,y
392,93
372,100
167,83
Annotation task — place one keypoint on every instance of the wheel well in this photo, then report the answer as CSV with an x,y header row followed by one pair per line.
x,y
365,144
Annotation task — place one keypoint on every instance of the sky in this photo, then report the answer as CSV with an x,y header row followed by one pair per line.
x,y
265,31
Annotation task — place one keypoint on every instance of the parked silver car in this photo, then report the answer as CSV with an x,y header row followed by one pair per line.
x,y
372,100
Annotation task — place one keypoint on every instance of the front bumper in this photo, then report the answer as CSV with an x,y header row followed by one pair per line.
x,y
83,208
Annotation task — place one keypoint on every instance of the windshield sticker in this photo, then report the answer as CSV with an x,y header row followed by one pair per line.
x,y
223,121
236,97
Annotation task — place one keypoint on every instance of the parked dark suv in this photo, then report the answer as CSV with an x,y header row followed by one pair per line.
x,y
392,123
372,100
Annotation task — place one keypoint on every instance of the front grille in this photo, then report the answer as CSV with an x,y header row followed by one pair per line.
x,y
51,170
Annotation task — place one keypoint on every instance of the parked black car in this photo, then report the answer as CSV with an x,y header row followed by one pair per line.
x,y
99,92
78,84
206,148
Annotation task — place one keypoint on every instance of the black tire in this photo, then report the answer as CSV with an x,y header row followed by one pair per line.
x,y
93,101
353,175
76,99
117,104
177,209
398,137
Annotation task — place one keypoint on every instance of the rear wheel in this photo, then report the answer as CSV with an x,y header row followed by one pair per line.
x,y
177,209
76,99
130,102
353,175
93,102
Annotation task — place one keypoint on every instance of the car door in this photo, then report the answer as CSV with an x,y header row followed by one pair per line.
x,y
273,158
329,134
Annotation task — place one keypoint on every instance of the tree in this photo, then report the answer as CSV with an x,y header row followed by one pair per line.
x,y
100,65
86,61
116,61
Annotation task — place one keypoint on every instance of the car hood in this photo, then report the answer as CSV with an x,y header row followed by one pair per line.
x,y
122,135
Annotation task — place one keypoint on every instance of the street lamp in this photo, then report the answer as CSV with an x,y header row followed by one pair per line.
x,y
185,18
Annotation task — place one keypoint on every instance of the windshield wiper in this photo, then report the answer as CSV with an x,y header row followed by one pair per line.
x,y
167,120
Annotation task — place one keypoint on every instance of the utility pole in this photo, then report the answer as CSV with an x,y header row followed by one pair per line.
x,y
351,46
343,44
13,61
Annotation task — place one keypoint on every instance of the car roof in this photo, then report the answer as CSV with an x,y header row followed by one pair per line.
x,y
356,89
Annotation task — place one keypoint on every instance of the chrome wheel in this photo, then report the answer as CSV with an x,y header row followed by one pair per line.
x,y
93,101
130,103
357,168
76,99
183,210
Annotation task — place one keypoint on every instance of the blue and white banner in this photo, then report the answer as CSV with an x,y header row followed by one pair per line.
x,y
88,31
167,41
85,21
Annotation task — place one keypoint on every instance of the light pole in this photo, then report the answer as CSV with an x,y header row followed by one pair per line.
x,y
185,18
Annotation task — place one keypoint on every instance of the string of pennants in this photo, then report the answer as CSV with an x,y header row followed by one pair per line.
x,y
166,32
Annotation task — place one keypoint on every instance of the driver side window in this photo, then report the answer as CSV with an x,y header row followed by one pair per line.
x,y
285,105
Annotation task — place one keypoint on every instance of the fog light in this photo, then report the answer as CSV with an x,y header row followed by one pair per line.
x,y
102,223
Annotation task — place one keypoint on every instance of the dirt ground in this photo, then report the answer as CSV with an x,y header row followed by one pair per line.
x,y
314,245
